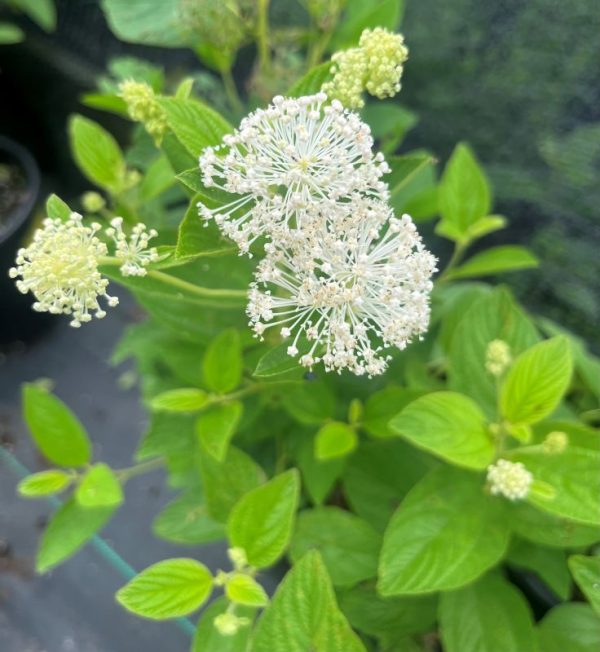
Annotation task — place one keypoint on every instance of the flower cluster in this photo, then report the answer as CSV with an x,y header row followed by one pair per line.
x,y
497,357
375,66
509,479
60,266
143,106
341,278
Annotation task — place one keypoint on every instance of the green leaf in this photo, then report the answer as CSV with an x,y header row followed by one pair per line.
x,y
223,362
40,11
168,589
348,545
464,194
335,439
56,208
158,177
312,82
225,482
491,317
99,488
446,533
381,406
574,477
44,483
537,381
209,639
485,225
448,425
261,522
97,154
277,361
358,15
195,124
10,34
184,399
549,564
389,124
486,616
310,402
69,529
571,626
496,260
56,430
404,169
216,427
318,476
243,589
197,237
185,520
586,572
303,614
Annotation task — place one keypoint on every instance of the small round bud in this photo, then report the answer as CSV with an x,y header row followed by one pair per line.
x,y
555,443
497,357
92,202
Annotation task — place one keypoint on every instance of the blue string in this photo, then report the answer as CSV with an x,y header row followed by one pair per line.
x,y
108,553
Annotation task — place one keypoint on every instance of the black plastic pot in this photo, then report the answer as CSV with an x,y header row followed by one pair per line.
x,y
18,322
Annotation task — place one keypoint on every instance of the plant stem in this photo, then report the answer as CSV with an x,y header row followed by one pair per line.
x,y
214,293
317,48
457,254
231,90
139,469
262,35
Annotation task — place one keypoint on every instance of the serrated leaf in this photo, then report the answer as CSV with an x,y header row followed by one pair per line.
x,y
56,208
571,626
448,425
44,483
261,522
184,399
303,614
335,439
216,426
446,533
348,545
312,82
243,589
56,430
97,154
486,616
185,520
69,529
223,362
209,639
99,488
168,589
496,260
586,572
537,381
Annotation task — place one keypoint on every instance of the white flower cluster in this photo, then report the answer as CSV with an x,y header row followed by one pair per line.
x,y
509,479
60,266
342,278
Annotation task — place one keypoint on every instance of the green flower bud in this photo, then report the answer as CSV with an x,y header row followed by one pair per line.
x,y
92,202
143,106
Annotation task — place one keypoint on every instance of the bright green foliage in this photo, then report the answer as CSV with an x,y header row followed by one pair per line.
x,y
223,362
486,616
69,529
99,488
318,476
449,425
382,406
56,430
571,626
335,439
185,520
209,638
311,402
312,81
56,208
509,258
216,426
243,589
261,522
169,589
348,545
304,615
537,381
186,399
445,534
10,34
358,15
549,564
44,483
586,572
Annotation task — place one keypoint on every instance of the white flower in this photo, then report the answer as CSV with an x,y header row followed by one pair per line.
x,y
133,251
287,160
351,294
509,479
60,268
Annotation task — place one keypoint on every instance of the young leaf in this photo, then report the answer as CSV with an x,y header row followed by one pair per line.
x,y
44,483
486,616
97,154
99,488
586,572
69,529
185,520
448,425
209,639
56,430
335,439
223,362
537,381
496,260
348,545
243,589
571,626
216,427
196,238
56,208
185,399
303,614
168,589
549,564
261,522
446,533
312,81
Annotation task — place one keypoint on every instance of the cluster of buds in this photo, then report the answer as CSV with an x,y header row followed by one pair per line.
x,y
143,106
497,357
509,479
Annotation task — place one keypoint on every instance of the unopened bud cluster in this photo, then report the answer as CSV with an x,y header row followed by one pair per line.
x,y
497,357
375,66
143,106
556,442
509,479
